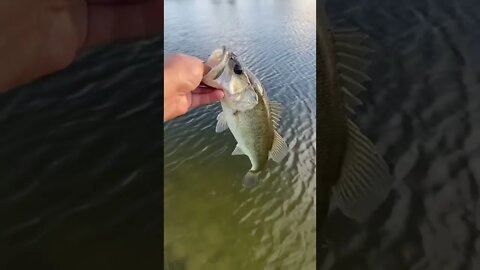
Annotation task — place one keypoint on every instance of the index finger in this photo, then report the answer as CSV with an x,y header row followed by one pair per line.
x,y
186,71
206,69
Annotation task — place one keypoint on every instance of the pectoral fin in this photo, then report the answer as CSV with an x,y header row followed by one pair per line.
x,y
279,148
365,179
221,123
248,99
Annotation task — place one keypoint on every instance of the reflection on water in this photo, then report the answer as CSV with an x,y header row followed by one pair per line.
x,y
211,221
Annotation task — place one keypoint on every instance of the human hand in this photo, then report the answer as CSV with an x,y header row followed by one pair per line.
x,y
182,90
41,37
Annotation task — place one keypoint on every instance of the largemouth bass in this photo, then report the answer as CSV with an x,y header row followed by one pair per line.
x,y
247,112
351,174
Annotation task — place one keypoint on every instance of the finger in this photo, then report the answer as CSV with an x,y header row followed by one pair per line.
x,y
186,70
206,69
206,98
204,89
111,20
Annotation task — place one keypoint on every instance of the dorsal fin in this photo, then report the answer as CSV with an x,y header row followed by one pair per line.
x,y
352,72
351,63
351,100
275,111
279,148
365,180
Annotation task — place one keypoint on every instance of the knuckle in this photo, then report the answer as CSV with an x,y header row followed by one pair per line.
x,y
197,69
188,68
183,106
181,110
194,73
61,59
175,56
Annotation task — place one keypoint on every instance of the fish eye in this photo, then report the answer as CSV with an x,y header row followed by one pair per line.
x,y
237,69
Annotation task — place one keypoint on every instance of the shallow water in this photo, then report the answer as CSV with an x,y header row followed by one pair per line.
x,y
211,221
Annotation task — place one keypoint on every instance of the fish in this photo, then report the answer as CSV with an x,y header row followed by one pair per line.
x,y
247,112
351,174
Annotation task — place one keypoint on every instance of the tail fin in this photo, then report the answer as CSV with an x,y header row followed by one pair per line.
x,y
251,179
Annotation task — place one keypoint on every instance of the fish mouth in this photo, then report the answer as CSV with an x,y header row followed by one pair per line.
x,y
217,62
217,57
241,97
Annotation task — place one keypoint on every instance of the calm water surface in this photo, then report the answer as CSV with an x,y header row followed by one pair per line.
x,y
211,221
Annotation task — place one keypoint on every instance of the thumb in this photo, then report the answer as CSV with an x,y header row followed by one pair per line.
x,y
188,70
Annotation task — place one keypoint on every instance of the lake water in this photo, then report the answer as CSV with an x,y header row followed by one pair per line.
x,y
81,160
211,221
422,111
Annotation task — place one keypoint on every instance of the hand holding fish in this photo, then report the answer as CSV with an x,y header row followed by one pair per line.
x,y
182,89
